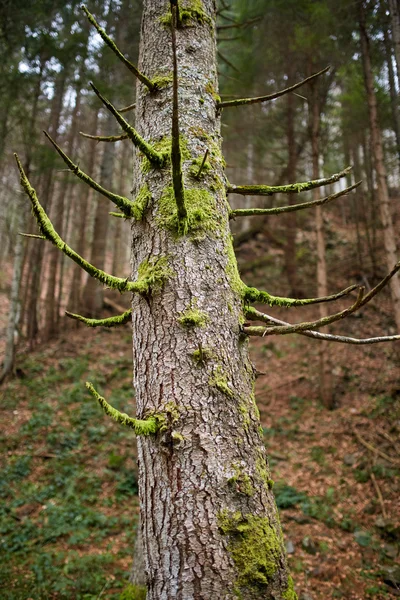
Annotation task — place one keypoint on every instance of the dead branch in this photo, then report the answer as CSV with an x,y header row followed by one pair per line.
x,y
243,101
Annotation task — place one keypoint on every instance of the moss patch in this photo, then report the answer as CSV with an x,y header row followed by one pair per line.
x,y
201,213
232,270
193,317
202,355
163,146
162,81
255,548
152,274
210,89
133,592
219,380
241,481
142,201
195,166
190,14
290,594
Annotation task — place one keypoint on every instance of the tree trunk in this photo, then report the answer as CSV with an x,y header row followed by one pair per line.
x,y
209,520
93,293
55,257
325,363
85,196
291,218
36,256
379,163
22,213
394,7
392,85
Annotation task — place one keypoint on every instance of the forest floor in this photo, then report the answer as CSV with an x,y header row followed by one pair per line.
x,y
68,489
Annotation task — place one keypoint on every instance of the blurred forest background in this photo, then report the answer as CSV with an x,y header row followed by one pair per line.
x,y
331,413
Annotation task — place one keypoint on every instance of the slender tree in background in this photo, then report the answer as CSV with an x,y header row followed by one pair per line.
x,y
209,521
379,163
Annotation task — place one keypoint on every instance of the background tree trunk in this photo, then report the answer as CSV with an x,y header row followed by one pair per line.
x,y
379,163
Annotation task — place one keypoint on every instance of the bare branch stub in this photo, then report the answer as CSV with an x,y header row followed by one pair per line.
x,y
269,97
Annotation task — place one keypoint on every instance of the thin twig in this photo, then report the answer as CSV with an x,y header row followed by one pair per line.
x,y
242,101
202,165
375,450
379,494
127,108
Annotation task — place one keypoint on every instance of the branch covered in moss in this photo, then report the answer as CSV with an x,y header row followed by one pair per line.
x,y
203,162
243,101
141,427
291,188
105,138
251,294
151,274
111,44
248,212
286,329
257,315
110,322
154,157
176,155
124,204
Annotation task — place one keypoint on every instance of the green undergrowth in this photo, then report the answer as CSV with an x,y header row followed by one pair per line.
x,y
68,483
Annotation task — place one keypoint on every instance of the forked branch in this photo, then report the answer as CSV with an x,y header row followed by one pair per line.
x,y
242,101
254,295
292,188
156,158
111,44
329,337
124,204
176,155
140,427
307,329
152,274
286,329
109,322
278,210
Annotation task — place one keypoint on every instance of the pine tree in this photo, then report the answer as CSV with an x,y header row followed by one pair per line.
x,y
209,520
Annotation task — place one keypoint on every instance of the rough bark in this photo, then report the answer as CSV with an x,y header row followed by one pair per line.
x,y
209,521
379,164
